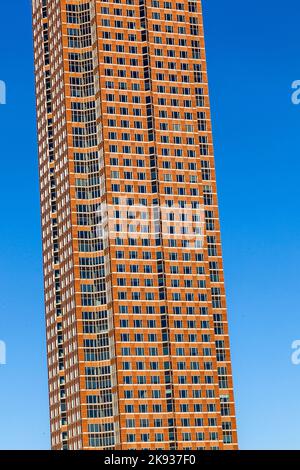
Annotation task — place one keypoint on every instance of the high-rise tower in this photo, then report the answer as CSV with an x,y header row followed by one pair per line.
x,y
137,338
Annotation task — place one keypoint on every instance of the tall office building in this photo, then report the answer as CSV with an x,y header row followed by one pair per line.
x,y
137,338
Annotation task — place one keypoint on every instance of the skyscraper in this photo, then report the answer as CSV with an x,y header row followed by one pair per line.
x,y
137,336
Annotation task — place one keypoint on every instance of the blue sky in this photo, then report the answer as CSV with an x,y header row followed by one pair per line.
x,y
253,58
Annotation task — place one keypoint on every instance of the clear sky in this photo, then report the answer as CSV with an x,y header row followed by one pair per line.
x,y
253,58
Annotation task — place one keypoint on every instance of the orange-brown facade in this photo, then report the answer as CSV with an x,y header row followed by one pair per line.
x,y
137,336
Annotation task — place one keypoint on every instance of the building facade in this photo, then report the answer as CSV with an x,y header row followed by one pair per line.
x,y
137,335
